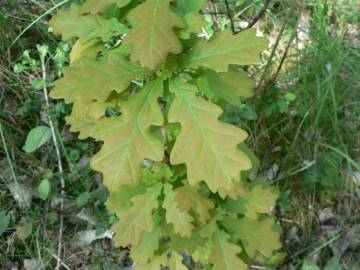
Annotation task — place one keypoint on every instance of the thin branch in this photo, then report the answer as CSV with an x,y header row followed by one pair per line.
x,y
293,35
230,16
214,16
60,166
277,42
258,16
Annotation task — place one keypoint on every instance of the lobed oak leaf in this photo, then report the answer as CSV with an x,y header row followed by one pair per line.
x,y
96,6
228,86
258,200
176,262
225,49
120,201
194,23
258,235
188,197
91,49
179,219
207,146
69,24
152,36
184,7
224,255
145,250
155,264
137,220
89,79
128,139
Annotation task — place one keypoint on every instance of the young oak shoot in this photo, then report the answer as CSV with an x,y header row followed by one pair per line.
x,y
146,85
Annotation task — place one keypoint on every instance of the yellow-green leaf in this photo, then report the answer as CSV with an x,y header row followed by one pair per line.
x,y
145,251
207,146
184,7
225,49
89,79
70,24
120,201
128,139
176,262
91,48
96,6
258,200
180,220
153,36
194,23
258,235
155,264
84,118
138,219
188,197
228,86
224,255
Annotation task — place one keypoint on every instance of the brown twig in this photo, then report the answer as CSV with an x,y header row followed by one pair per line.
x,y
273,51
258,16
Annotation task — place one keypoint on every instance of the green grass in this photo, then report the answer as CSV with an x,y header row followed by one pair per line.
x,y
313,139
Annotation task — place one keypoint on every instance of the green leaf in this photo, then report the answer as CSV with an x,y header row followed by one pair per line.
x,y
138,219
83,199
69,24
89,79
333,264
128,139
184,7
176,262
91,48
84,118
4,222
36,138
188,198
145,251
201,144
44,189
224,255
181,220
96,6
153,36
228,86
194,23
203,251
225,49
121,200
258,235
308,266
258,200
155,264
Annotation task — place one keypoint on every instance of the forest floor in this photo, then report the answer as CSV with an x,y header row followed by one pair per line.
x,y
303,121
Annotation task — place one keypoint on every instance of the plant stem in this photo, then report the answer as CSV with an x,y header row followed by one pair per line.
x,y
60,166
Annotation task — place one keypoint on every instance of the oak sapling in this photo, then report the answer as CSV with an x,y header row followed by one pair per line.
x,y
176,174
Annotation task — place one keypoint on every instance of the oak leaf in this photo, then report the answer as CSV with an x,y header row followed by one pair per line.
x,y
225,49
137,220
128,139
207,146
90,79
224,255
179,219
96,6
152,36
69,24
